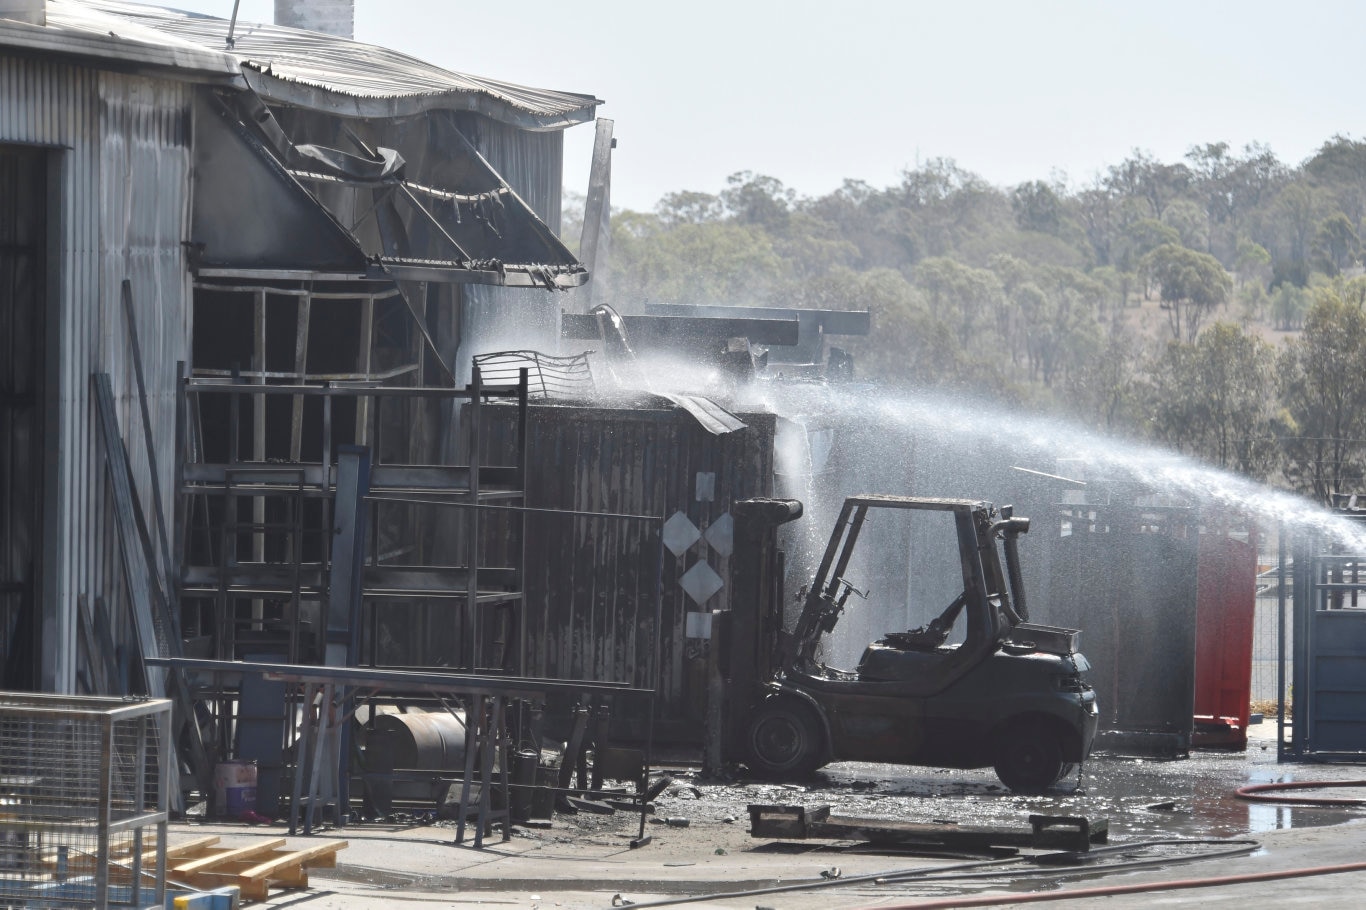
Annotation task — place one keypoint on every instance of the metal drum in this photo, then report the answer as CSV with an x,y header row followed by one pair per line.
x,y
430,742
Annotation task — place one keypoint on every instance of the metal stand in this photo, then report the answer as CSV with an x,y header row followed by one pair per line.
x,y
328,693
487,738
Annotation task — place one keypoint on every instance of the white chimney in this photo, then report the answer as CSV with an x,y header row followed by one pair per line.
x,y
333,17
34,12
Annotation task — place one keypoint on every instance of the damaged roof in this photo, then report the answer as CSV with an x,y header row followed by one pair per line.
x,y
310,69
75,31
340,199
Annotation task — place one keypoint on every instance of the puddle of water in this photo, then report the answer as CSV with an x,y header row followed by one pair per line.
x,y
1140,798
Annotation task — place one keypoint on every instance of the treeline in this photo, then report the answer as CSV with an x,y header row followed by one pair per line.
x,y
1212,304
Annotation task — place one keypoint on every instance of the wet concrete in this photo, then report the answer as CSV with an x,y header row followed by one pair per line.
x,y
1141,797
585,861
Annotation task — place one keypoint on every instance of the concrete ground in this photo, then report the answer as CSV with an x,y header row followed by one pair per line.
x,y
587,861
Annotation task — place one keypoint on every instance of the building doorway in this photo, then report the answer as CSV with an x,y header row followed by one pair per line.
x,y
23,292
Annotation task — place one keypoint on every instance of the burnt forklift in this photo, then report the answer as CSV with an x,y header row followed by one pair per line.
x,y
1004,693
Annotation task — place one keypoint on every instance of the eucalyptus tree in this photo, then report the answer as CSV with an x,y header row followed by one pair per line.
x,y
1322,377
1215,399
1192,285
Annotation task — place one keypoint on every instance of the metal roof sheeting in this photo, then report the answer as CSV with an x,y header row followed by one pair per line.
x,y
310,69
73,31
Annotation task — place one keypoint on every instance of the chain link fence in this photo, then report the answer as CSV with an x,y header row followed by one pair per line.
x,y
83,800
1266,674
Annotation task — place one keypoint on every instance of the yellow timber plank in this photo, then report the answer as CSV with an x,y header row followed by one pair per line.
x,y
297,857
207,863
250,890
189,849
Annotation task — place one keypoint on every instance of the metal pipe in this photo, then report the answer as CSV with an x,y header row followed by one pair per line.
x,y
519,544
412,500
293,292
232,24
473,628
428,681
366,359
258,448
163,535
1280,644
301,376
1012,552
657,638
302,315
332,390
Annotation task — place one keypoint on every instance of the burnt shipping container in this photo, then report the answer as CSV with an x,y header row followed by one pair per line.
x,y
592,582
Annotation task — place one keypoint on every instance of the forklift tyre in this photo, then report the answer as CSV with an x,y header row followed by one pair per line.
x,y
1028,756
785,739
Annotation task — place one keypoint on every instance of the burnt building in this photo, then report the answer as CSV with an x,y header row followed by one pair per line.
x,y
184,196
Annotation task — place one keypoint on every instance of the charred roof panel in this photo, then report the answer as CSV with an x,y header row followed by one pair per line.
x,y
250,214
447,216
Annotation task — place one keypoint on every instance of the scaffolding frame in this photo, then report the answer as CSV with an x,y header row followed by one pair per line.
x,y
297,510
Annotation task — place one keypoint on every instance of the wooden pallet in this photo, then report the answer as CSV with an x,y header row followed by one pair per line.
x,y
121,859
204,865
254,869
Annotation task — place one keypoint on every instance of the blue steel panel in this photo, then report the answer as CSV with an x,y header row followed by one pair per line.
x,y
1336,716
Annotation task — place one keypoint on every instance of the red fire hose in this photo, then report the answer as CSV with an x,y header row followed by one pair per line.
x,y
1265,793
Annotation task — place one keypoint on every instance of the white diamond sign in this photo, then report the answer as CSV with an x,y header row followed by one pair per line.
x,y
701,582
721,535
680,533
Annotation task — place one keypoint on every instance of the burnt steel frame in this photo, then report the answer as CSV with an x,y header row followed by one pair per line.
x,y
487,701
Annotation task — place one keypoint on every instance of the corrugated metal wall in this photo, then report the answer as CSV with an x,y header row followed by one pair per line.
x,y
500,319
590,582
531,163
145,154
121,156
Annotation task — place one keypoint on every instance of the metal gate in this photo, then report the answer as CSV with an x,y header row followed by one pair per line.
x,y
1328,697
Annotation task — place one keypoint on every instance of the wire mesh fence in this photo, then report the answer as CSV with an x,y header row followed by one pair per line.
x,y
1266,650
83,800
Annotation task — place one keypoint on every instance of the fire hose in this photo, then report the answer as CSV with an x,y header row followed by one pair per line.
x,y
1253,792
959,872
1267,793
1068,864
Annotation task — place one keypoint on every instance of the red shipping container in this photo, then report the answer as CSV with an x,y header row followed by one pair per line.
x,y
1225,604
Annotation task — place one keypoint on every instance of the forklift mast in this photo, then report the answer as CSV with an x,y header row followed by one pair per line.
x,y
977,526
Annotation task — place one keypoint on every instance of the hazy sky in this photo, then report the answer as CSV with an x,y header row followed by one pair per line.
x,y
813,93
